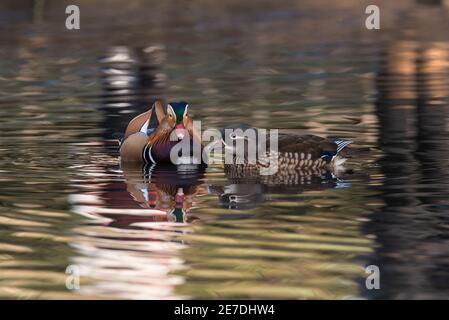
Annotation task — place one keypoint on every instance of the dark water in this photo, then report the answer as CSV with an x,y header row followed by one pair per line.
x,y
65,199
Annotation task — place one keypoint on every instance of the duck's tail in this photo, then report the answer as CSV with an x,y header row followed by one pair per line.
x,y
341,144
341,154
344,152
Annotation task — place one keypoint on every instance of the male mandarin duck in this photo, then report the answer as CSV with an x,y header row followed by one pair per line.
x,y
297,155
147,136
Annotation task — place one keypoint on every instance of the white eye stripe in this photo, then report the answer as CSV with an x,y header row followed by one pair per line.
x,y
170,110
234,136
185,111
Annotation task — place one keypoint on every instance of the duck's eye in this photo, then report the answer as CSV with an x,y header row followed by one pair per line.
x,y
233,135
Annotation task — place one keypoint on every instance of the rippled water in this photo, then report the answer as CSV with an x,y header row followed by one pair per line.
x,y
65,199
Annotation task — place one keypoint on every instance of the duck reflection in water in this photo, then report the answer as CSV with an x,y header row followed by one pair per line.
x,y
247,193
153,194
167,189
132,239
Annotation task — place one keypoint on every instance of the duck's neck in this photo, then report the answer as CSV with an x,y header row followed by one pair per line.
x,y
161,135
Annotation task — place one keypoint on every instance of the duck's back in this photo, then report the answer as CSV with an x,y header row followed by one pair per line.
x,y
303,152
305,146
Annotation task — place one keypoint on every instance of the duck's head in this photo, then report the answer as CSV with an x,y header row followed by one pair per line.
x,y
177,117
232,134
235,132
236,139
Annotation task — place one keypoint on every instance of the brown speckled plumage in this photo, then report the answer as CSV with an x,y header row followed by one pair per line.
x,y
297,155
251,173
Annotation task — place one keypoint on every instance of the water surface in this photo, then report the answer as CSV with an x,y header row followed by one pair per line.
x,y
65,199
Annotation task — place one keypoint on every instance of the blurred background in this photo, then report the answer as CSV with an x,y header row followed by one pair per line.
x,y
312,65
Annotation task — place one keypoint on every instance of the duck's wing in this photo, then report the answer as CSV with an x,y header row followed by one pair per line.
x,y
132,147
146,120
313,147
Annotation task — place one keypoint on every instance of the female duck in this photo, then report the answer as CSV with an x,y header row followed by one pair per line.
x,y
295,153
148,137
